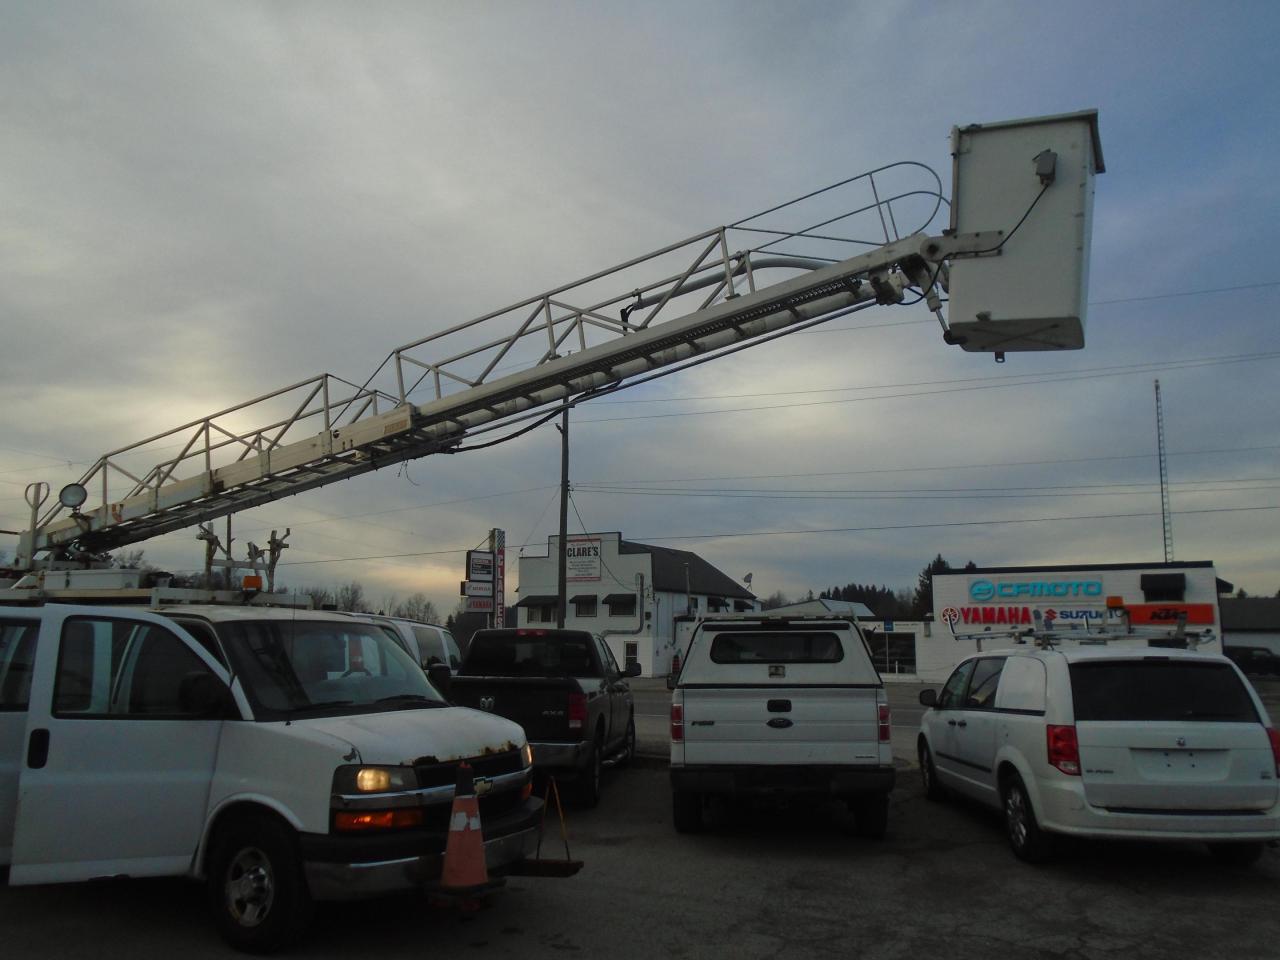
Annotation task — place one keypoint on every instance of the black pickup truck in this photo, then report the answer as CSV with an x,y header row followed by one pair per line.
x,y
564,687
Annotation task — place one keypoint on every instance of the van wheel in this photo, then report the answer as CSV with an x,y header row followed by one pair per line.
x,y
590,790
870,816
1027,840
928,773
686,811
257,893
1236,854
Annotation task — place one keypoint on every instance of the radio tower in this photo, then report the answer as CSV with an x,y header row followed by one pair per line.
x,y
1166,515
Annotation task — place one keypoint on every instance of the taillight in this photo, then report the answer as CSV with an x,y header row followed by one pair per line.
x,y
677,722
1274,736
884,723
577,710
1064,749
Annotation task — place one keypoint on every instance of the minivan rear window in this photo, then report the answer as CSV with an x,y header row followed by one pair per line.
x,y
1160,690
777,647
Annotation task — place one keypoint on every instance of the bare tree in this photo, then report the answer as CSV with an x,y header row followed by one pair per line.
x,y
350,596
320,597
419,608
774,600
132,560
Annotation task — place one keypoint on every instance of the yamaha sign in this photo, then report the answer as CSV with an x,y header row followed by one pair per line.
x,y
986,591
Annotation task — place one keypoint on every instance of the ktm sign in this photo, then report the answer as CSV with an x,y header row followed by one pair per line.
x,y
1167,614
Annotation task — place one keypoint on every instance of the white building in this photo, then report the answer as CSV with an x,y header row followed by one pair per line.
x,y
631,594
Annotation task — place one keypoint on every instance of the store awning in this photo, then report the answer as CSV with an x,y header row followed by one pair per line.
x,y
581,597
615,598
539,601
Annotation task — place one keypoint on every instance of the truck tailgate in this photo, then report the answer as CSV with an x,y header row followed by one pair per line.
x,y
539,704
770,724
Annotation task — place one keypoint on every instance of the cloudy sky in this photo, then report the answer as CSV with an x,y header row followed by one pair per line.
x,y
200,203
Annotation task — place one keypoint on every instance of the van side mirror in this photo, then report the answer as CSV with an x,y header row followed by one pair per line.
x,y
201,694
441,678
929,698
632,669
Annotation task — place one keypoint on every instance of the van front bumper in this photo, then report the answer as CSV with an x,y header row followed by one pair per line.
x,y
359,867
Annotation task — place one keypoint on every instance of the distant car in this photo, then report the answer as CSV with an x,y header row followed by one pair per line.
x,y
1255,660
427,643
1133,743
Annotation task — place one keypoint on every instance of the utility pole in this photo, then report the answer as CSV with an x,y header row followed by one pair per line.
x,y
1166,514
563,562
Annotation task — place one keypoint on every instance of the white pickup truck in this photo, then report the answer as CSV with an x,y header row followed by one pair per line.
x,y
780,708
283,756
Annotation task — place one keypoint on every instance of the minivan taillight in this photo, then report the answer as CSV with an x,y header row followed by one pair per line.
x,y
1064,749
884,723
677,722
577,710
1274,736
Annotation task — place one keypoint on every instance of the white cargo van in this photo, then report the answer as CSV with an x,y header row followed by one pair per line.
x,y
780,708
283,756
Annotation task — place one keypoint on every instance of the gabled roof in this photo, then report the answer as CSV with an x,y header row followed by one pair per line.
x,y
1250,613
669,572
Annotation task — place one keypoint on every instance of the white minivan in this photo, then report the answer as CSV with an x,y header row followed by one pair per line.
x,y
283,756
1107,741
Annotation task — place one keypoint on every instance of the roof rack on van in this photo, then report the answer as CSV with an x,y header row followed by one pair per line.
x,y
1120,631
133,588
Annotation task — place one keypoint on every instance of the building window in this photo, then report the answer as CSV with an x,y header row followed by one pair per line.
x,y
631,652
1164,587
584,606
893,652
621,604
542,614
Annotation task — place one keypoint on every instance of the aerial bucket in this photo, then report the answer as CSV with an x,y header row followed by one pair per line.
x,y
1031,180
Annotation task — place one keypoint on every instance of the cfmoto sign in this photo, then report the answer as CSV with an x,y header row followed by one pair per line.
x,y
984,591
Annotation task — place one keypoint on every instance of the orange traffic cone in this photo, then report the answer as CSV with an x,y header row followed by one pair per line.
x,y
464,869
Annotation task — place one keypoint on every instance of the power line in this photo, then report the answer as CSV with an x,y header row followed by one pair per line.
x,y
1050,378
806,532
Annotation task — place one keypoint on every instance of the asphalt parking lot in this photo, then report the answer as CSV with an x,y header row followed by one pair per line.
x,y
767,882
789,883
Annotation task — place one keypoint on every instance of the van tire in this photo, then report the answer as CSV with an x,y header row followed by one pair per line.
x,y
1028,842
933,790
256,889
686,811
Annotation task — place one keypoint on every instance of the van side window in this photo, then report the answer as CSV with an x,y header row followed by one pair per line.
x,y
123,669
982,686
959,679
1022,686
17,658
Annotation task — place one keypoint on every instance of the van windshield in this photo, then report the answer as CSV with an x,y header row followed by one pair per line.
x,y
1160,690
296,668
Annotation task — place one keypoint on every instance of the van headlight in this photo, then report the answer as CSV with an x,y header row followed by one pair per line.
x,y
526,754
354,779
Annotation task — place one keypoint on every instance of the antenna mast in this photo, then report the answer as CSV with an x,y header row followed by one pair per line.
x,y
1166,515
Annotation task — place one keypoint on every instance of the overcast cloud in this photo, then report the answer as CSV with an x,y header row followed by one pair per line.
x,y
204,202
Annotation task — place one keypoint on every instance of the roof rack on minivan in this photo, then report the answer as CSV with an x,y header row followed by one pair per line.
x,y
1083,634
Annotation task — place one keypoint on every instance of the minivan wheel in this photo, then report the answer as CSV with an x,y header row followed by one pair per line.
x,y
1236,854
257,893
1027,840
686,811
928,773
